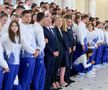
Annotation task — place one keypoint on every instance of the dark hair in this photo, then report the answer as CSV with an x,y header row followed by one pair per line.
x,y
68,16
40,16
6,3
84,17
106,27
97,18
52,3
89,51
97,23
15,15
42,3
12,34
12,12
3,14
33,5
26,12
11,5
20,3
32,21
90,24
20,7
76,18
106,21
44,7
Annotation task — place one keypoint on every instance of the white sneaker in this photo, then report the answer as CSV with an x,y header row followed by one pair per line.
x,y
98,66
94,69
93,72
89,75
82,74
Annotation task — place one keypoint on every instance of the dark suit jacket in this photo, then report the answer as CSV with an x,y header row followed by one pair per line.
x,y
63,44
72,41
62,41
52,44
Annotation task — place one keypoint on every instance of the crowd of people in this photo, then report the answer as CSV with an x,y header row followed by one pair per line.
x,y
43,46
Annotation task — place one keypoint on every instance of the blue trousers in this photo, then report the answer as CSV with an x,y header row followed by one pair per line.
x,y
39,75
105,54
94,54
26,72
17,87
1,78
80,69
10,77
78,52
99,53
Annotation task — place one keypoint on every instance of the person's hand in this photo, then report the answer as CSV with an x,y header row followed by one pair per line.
x,y
83,48
6,70
92,62
46,40
74,48
89,44
99,44
56,53
36,53
70,50
96,46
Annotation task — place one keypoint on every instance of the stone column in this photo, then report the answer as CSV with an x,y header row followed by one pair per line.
x,y
92,7
69,3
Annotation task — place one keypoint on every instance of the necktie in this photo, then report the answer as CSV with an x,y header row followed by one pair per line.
x,y
51,31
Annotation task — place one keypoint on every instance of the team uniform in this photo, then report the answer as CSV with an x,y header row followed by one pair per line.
x,y
27,58
81,40
39,71
99,51
105,50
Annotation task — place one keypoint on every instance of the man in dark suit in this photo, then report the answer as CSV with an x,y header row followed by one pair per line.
x,y
72,45
51,51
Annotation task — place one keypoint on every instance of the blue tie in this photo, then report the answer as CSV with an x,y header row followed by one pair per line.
x,y
51,32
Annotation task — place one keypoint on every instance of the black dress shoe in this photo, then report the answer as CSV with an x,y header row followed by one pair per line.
x,y
59,88
71,81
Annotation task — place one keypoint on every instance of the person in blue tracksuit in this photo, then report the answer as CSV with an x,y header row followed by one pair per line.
x,y
12,46
99,31
92,39
84,64
3,64
39,71
27,64
81,38
105,50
